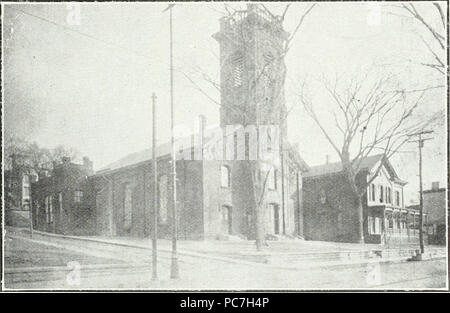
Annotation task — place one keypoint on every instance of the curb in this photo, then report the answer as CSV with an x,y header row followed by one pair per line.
x,y
313,265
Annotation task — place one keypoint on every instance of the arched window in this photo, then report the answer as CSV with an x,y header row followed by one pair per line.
x,y
127,206
163,199
267,70
238,69
272,179
225,176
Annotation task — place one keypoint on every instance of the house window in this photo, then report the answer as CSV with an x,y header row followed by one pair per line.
x,y
388,195
374,225
163,199
381,194
370,224
397,198
377,225
272,179
78,196
225,176
373,192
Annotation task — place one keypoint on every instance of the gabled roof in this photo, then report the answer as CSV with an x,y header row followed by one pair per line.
x,y
165,150
367,164
295,156
137,157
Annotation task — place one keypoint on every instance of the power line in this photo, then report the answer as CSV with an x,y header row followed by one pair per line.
x,y
108,43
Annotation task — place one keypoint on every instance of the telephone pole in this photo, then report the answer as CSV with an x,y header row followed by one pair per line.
x,y
155,188
420,141
174,260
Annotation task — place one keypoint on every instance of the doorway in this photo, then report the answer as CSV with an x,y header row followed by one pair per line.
x,y
226,218
275,214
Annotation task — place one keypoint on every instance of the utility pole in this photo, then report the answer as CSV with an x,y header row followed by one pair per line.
x,y
420,141
155,181
174,261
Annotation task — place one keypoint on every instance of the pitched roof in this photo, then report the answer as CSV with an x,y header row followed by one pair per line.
x,y
336,167
366,164
165,150
137,157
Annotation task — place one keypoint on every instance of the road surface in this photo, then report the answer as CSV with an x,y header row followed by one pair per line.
x,y
97,266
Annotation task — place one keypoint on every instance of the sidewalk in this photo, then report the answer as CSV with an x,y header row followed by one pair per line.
x,y
288,254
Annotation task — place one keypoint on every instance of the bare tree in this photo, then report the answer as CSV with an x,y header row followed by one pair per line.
x,y
272,72
433,27
59,152
32,158
368,115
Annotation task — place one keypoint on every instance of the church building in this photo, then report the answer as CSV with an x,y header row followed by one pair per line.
x,y
216,197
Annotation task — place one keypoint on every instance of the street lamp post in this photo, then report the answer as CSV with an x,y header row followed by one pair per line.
x,y
174,273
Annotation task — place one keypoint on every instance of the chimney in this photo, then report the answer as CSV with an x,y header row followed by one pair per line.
x,y
435,185
327,159
88,165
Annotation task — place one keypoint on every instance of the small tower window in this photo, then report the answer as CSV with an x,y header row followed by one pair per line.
x,y
267,70
238,70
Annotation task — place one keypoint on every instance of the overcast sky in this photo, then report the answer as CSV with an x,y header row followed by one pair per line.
x,y
94,93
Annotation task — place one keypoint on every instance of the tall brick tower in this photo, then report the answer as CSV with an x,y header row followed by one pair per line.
x,y
252,67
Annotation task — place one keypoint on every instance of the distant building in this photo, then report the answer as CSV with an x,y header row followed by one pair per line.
x,y
64,200
18,181
330,211
17,191
435,205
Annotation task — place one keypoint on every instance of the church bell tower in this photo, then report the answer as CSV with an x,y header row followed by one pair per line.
x,y
252,69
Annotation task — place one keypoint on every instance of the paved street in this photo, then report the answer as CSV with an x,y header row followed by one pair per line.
x,y
102,266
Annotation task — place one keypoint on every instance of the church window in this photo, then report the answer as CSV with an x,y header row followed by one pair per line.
x,y
272,179
238,70
163,198
267,71
225,176
127,207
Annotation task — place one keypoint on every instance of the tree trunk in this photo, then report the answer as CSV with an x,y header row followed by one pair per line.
x,y
259,229
258,195
351,177
360,213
